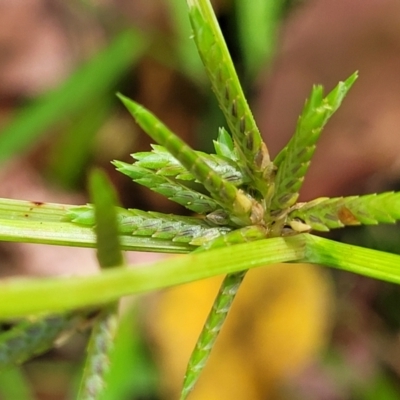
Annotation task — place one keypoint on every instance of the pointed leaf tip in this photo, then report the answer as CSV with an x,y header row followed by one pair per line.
x,y
121,96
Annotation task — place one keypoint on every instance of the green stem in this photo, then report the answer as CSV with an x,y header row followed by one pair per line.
x,y
360,260
68,293
36,222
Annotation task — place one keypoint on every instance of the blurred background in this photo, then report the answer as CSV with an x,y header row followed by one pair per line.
x,y
296,331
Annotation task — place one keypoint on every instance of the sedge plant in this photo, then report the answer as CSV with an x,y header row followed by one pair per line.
x,y
246,214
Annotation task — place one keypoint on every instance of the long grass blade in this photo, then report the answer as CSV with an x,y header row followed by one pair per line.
x,y
51,295
48,295
188,58
96,77
51,223
257,25
359,260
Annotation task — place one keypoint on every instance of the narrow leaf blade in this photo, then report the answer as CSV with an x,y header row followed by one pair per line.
x,y
109,251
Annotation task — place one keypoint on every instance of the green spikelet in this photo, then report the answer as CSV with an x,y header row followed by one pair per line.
x,y
101,344
163,163
293,161
241,206
221,305
168,187
182,229
211,329
324,214
251,150
32,337
224,147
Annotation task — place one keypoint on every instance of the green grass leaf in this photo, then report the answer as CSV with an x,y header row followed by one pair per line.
x,y
188,58
47,295
91,80
61,294
257,25
107,238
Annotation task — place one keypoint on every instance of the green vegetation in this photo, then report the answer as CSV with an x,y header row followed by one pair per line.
x,y
247,214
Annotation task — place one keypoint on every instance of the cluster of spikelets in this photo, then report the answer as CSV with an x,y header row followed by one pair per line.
x,y
237,194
